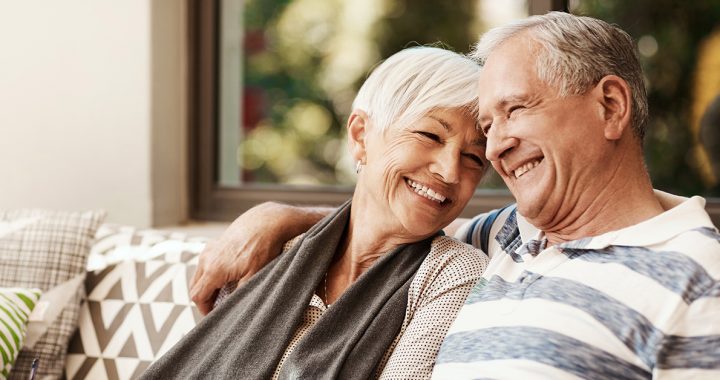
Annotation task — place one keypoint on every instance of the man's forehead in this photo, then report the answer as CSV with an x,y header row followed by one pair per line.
x,y
517,54
507,64
499,93
509,81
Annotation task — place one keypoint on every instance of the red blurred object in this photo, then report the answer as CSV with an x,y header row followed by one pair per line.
x,y
255,41
253,107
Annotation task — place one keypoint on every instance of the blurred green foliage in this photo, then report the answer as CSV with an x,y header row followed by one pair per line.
x,y
304,59
303,62
678,27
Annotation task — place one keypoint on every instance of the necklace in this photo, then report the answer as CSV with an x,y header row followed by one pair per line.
x,y
325,290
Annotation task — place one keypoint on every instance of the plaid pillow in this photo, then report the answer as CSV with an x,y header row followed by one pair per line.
x,y
47,250
138,304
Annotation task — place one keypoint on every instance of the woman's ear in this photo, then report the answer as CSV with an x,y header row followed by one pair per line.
x,y
357,128
616,99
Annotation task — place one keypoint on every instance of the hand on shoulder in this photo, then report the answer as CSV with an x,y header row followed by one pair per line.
x,y
254,239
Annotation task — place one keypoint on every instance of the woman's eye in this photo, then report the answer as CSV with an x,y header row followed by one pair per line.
x,y
485,128
429,135
476,159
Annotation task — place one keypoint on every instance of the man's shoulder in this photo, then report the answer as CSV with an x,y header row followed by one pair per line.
x,y
495,229
700,246
684,230
705,236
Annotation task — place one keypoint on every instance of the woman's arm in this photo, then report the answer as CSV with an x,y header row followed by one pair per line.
x,y
252,240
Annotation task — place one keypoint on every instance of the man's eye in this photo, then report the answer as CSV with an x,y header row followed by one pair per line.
x,y
429,135
512,109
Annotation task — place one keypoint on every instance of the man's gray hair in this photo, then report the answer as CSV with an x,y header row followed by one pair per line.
x,y
414,81
575,54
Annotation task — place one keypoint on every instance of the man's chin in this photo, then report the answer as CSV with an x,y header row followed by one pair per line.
x,y
529,207
531,203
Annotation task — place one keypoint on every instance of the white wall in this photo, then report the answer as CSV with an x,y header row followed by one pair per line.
x,y
81,101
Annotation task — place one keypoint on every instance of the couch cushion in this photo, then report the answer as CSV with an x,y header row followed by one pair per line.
x,y
16,304
137,305
45,250
115,243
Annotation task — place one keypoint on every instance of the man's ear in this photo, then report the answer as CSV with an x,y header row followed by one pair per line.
x,y
616,99
357,128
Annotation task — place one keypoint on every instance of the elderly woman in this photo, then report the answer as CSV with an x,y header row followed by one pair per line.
x,y
371,289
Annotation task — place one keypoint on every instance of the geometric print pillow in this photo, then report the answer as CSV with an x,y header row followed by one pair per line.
x,y
115,243
137,308
15,307
47,250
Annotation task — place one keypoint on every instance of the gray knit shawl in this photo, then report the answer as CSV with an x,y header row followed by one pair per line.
x,y
247,335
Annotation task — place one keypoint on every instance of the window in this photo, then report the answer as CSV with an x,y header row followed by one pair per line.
x,y
273,80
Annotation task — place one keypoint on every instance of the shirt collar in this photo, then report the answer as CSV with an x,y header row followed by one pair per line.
x,y
527,231
681,214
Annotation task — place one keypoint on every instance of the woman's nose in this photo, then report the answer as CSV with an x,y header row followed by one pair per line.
x,y
447,165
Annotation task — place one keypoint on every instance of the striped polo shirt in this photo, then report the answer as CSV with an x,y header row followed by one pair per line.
x,y
637,303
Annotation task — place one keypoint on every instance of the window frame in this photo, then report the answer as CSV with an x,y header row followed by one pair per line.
x,y
209,200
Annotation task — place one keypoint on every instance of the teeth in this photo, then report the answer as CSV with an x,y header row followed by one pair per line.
x,y
525,168
426,191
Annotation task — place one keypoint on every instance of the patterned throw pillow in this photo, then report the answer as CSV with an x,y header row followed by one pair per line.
x,y
136,308
16,304
47,250
115,243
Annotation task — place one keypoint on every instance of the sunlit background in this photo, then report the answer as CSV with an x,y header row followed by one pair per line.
x,y
168,111
290,70
295,66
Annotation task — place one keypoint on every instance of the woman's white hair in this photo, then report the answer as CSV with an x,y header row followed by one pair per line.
x,y
413,82
575,54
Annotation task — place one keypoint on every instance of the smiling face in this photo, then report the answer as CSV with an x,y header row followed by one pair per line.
x,y
548,149
418,178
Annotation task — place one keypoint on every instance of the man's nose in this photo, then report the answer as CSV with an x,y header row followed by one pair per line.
x,y
499,142
447,165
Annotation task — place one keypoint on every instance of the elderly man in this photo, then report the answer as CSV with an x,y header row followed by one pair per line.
x,y
619,281
594,274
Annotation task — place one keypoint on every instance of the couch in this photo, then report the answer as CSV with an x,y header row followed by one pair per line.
x,y
109,318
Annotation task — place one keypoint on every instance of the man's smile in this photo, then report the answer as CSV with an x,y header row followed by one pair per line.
x,y
520,171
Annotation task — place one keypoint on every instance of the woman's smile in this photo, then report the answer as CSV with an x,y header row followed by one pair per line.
x,y
437,197
438,159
